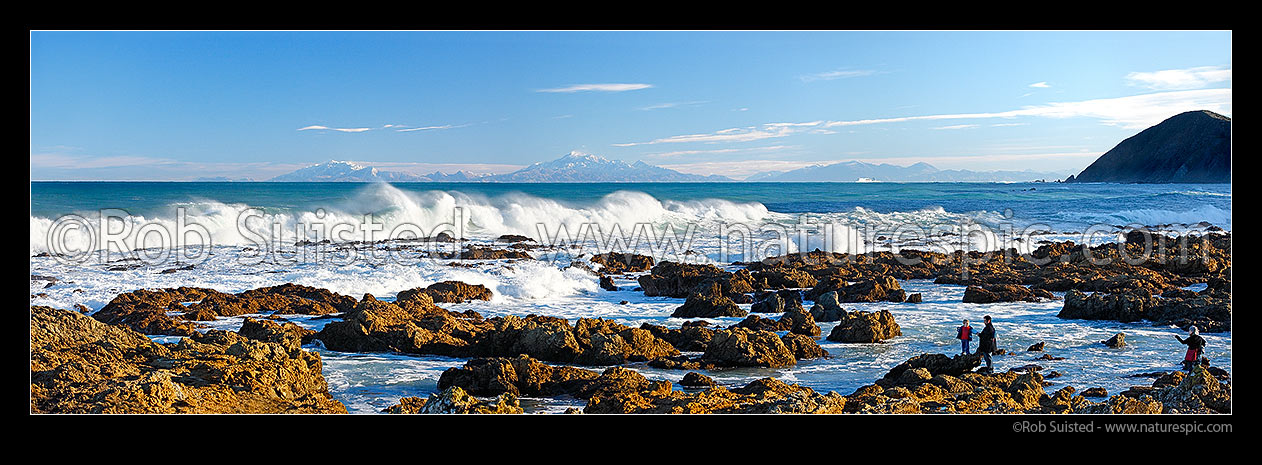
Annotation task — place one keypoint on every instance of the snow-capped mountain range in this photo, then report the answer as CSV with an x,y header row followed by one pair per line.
x,y
573,167
857,171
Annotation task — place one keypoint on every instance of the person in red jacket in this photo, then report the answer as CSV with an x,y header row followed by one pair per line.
x,y
964,334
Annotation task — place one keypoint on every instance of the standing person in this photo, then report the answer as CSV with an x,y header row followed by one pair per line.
x,y
964,334
1196,344
986,342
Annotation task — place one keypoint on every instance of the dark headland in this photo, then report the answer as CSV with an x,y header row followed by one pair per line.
x,y
1191,147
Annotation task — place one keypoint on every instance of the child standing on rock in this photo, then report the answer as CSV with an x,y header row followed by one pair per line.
x,y
964,334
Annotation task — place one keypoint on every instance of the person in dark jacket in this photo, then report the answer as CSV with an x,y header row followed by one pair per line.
x,y
1196,346
986,342
964,334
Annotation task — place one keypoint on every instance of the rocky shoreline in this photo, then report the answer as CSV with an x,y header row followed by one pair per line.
x,y
104,363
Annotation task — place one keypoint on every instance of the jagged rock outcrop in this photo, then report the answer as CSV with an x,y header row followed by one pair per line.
x,y
877,289
452,292
81,365
991,293
827,308
618,263
708,304
767,395
866,327
740,347
419,327
454,400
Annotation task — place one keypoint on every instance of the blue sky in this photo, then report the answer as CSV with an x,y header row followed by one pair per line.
x,y
181,105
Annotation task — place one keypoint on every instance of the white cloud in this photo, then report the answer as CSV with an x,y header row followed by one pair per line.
x,y
596,88
1040,85
663,106
838,74
719,151
746,134
1180,79
1131,112
429,128
326,128
957,126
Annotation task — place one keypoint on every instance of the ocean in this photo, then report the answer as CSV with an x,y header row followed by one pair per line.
x,y
676,221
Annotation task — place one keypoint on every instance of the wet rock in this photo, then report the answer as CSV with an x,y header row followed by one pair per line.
x,y
487,253
784,278
866,327
757,323
146,310
827,308
914,298
1126,307
741,347
773,303
607,284
1037,347
682,280
1209,314
407,406
418,327
803,347
618,263
991,293
708,305
454,400
936,364
1120,404
767,395
878,289
448,292
1118,340
81,365
799,321
1198,392
1095,392
289,335
513,238
697,380
693,336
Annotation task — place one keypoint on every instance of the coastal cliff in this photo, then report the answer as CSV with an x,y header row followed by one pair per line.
x,y
1191,147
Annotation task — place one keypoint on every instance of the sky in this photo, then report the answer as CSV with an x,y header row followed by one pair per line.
x,y
183,105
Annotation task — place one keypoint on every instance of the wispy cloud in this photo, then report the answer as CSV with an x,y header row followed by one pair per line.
x,y
1040,85
326,128
1132,112
1180,79
663,106
596,88
429,128
678,153
957,126
836,74
394,127
745,134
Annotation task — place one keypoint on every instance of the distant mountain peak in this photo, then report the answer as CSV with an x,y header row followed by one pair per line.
x,y
578,166
858,171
